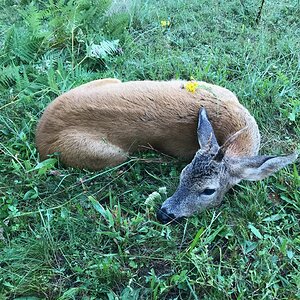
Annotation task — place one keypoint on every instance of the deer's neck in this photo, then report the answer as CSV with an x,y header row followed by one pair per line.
x,y
231,119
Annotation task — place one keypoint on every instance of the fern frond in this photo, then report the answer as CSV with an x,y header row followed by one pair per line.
x,y
33,18
8,75
104,49
20,44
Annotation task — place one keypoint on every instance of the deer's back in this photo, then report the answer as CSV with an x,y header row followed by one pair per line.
x,y
142,113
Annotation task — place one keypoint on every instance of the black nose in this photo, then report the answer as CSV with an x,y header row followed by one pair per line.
x,y
164,217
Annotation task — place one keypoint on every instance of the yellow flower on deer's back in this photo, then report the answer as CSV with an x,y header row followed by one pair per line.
x,y
165,23
191,86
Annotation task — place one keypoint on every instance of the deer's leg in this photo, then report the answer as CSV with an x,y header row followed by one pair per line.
x,y
84,150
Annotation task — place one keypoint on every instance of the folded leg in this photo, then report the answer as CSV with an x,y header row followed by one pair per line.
x,y
83,150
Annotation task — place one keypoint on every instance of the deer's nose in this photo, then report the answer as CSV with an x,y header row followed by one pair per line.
x,y
164,217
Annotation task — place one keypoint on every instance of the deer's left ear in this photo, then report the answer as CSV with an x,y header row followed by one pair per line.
x,y
206,136
259,167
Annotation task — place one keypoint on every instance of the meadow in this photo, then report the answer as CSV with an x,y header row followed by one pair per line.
x,y
74,234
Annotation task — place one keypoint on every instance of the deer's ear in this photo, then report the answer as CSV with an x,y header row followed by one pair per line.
x,y
259,167
206,136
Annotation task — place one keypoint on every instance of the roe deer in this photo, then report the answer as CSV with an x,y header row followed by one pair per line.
x,y
100,123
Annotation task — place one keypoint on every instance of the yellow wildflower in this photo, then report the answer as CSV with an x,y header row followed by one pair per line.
x,y
165,23
191,86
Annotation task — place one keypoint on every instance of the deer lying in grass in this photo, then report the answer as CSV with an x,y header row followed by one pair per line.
x,y
100,123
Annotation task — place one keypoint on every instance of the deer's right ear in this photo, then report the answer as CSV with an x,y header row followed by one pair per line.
x,y
259,167
206,136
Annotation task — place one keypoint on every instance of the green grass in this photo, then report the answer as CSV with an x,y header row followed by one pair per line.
x,y
73,234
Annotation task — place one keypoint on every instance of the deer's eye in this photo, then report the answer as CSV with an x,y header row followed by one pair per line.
x,y
208,192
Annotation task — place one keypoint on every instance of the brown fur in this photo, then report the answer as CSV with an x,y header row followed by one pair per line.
x,y
100,123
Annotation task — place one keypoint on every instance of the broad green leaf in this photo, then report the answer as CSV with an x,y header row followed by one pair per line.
x,y
255,231
272,218
196,239
98,207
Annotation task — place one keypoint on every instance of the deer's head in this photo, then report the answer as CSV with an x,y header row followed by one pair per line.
x,y
212,173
